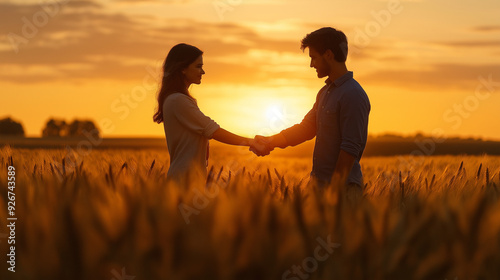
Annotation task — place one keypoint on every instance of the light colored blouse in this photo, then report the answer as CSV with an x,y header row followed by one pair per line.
x,y
187,131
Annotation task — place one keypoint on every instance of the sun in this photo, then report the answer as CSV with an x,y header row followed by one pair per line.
x,y
274,112
278,118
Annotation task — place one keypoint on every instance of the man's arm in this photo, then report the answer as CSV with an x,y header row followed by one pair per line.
x,y
354,111
345,162
299,133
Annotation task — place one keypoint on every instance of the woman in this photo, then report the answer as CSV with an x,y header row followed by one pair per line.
x,y
187,129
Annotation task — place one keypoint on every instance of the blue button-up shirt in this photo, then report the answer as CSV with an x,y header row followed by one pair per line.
x,y
339,120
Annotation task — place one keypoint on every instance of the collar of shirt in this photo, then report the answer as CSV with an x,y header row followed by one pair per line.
x,y
342,79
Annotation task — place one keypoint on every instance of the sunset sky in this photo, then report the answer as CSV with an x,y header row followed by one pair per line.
x,y
427,66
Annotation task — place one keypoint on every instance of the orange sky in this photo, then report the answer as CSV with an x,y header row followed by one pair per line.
x,y
426,65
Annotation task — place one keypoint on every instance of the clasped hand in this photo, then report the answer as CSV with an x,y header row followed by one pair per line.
x,y
261,146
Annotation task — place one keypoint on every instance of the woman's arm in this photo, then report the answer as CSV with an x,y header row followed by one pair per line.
x,y
227,137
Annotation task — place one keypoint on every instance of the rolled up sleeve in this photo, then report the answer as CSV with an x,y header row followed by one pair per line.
x,y
190,116
354,111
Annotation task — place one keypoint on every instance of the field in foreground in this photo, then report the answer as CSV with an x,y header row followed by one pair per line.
x,y
111,215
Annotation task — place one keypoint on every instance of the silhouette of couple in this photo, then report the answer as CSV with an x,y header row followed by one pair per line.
x,y
338,118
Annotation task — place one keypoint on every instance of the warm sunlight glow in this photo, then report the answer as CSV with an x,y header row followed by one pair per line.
x,y
277,117
83,59
273,112
252,110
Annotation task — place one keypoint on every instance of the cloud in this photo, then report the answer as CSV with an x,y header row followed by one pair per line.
x,y
487,28
149,1
471,44
112,45
440,76
84,41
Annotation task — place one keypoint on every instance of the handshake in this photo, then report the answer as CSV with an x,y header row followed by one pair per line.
x,y
262,146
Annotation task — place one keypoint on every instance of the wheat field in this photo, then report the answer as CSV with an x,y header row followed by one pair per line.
x,y
110,214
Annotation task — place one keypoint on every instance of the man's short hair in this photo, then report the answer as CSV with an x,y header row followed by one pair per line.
x,y
327,38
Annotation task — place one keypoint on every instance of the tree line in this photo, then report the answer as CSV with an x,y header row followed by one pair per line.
x,y
53,128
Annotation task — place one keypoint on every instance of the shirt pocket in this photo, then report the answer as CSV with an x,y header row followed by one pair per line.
x,y
331,117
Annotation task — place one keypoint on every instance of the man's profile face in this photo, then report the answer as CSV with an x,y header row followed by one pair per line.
x,y
319,63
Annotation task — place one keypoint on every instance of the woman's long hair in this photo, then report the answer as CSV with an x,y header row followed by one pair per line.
x,y
178,58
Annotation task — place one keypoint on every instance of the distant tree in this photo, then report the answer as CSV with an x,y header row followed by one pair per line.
x,y
83,128
55,128
77,128
419,135
10,127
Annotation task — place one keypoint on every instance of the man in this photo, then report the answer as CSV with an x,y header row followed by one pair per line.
x,y
338,119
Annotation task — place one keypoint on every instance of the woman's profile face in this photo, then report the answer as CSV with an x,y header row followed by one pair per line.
x,y
193,73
